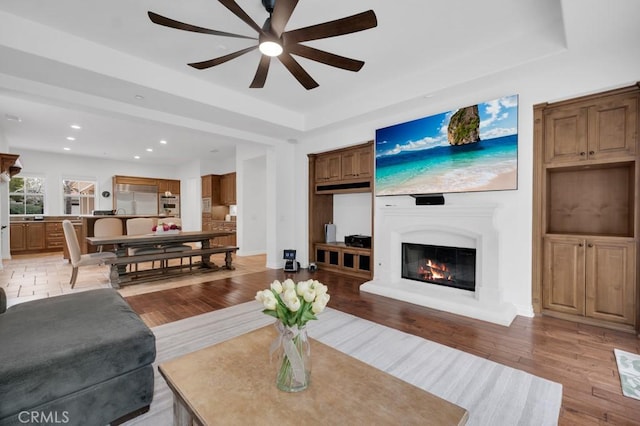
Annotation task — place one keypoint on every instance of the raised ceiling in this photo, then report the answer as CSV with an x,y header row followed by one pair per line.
x,y
74,60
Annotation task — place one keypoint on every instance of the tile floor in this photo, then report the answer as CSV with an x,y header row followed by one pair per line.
x,y
30,277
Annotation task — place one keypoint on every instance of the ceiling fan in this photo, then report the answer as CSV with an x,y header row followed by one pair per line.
x,y
273,40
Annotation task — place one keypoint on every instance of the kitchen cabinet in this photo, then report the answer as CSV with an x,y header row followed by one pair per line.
x,y
170,185
54,236
587,209
222,225
134,180
27,237
590,277
211,189
228,189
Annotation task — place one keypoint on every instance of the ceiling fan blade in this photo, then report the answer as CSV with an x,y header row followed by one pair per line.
x,y
261,73
281,14
172,23
221,60
297,71
350,24
237,10
325,57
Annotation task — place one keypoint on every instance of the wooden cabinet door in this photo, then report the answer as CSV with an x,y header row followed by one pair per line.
x,y
565,135
18,240
613,128
356,164
206,186
170,185
328,168
35,236
228,189
610,281
563,282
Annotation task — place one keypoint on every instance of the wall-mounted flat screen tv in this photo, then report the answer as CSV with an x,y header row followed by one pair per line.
x,y
470,149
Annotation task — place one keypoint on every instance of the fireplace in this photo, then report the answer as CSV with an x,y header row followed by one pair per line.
x,y
442,265
470,227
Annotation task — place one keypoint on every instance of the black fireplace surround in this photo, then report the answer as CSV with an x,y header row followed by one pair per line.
x,y
447,266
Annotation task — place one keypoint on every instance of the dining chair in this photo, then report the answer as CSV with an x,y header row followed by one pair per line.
x,y
141,226
77,258
107,227
176,247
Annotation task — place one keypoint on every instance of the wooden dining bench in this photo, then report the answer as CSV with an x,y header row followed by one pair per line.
x,y
116,274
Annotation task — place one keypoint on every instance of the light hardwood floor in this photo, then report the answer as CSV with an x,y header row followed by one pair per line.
x,y
580,357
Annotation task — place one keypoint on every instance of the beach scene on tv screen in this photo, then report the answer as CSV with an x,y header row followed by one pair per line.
x,y
474,148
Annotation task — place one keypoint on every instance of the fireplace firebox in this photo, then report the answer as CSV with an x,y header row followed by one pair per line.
x,y
447,266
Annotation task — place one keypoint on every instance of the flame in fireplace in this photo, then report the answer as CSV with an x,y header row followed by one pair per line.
x,y
434,271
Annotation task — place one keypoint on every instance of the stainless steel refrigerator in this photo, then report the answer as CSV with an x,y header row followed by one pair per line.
x,y
136,199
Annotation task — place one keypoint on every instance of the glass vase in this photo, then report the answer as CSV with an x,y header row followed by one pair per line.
x,y
292,358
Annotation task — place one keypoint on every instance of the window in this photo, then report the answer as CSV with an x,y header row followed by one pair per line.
x,y
79,196
26,195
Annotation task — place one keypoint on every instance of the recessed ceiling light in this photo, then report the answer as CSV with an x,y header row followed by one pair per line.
x,y
163,142
214,150
71,138
137,157
139,97
149,149
13,118
66,148
75,127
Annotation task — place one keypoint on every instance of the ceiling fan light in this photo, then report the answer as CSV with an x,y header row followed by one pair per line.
x,y
270,48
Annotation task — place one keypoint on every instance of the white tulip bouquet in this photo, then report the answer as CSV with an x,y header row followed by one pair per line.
x,y
294,304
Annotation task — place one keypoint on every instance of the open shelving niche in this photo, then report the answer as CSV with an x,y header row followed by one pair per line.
x,y
343,171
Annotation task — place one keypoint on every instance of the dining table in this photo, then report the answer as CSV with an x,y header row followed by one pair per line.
x,y
122,243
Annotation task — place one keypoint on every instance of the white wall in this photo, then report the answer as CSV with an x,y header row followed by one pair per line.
x,y
252,235
352,215
594,61
55,167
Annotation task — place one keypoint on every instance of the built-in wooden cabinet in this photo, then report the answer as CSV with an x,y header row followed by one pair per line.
x,y
602,128
170,185
342,258
590,277
328,168
228,189
54,235
27,237
357,164
163,185
587,210
344,170
347,170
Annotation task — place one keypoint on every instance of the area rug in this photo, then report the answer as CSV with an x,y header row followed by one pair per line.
x,y
629,372
492,393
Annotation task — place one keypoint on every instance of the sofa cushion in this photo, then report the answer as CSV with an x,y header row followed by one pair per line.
x,y
60,345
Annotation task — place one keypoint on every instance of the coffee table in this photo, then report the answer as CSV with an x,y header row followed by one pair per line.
x,y
233,382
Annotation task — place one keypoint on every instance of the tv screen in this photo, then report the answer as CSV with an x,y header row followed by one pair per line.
x,y
470,149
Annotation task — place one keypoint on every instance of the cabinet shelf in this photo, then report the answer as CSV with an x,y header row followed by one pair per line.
x,y
586,201
596,200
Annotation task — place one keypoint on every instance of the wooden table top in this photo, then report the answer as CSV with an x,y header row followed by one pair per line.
x,y
233,382
162,238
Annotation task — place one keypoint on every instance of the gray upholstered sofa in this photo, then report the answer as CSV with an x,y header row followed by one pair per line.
x,y
78,359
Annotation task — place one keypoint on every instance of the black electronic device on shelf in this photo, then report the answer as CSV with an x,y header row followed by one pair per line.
x,y
362,241
290,263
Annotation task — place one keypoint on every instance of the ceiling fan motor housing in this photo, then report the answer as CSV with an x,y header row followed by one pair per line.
x,y
269,5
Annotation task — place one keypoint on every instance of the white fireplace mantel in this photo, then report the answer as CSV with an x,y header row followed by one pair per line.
x,y
470,226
